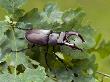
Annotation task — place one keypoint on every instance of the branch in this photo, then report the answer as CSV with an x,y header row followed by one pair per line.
x,y
106,75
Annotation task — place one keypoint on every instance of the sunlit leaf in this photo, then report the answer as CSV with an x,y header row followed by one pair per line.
x,y
9,78
3,28
52,13
16,59
32,17
73,16
29,75
88,37
33,75
50,80
11,5
60,55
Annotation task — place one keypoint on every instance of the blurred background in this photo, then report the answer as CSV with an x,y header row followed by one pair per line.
x,y
97,15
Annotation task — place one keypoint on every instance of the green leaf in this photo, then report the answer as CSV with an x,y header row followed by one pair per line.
x,y
9,78
74,54
104,49
82,79
50,80
32,17
3,38
33,75
89,38
23,26
82,71
73,16
98,40
60,55
49,8
12,5
64,76
69,76
46,19
3,28
13,41
18,13
29,75
16,59
71,20
52,13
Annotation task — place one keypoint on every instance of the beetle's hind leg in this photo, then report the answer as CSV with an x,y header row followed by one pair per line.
x,y
23,49
60,59
46,57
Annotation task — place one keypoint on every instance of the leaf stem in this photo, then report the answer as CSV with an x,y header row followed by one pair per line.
x,y
14,38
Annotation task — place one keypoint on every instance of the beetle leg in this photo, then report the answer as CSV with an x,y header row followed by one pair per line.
x,y
46,57
46,54
24,28
68,34
23,49
72,46
60,59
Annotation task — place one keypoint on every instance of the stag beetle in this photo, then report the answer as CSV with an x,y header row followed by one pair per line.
x,y
45,37
48,37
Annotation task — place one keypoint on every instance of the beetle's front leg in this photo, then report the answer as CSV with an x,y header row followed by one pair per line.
x,y
72,46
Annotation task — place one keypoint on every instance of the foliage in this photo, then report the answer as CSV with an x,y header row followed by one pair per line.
x,y
29,65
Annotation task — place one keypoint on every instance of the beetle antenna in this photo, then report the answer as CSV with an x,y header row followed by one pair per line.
x,y
27,27
24,28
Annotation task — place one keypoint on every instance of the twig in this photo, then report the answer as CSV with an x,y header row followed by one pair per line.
x,y
106,75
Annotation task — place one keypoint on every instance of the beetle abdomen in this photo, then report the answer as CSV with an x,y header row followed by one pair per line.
x,y
39,37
